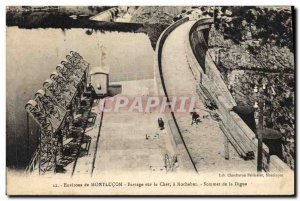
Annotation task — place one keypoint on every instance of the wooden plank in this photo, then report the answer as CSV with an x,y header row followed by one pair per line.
x,y
226,148
235,144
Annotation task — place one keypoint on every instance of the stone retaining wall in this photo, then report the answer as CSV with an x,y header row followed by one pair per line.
x,y
210,77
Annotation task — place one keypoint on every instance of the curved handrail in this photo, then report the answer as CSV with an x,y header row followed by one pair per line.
x,y
158,52
161,88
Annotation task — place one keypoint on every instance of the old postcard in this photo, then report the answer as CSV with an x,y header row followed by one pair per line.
x,y
150,100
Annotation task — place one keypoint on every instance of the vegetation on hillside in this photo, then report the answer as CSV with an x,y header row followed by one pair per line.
x,y
253,46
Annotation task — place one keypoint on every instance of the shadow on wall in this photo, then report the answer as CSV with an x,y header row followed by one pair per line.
x,y
199,46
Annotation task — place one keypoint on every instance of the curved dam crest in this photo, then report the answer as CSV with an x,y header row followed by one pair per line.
x,y
188,66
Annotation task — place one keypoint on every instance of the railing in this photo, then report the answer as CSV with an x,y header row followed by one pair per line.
x,y
50,109
170,163
33,161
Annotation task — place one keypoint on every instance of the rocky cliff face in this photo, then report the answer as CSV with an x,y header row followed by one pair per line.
x,y
155,18
155,14
261,58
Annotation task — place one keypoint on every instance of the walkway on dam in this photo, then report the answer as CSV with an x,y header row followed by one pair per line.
x,y
204,141
128,141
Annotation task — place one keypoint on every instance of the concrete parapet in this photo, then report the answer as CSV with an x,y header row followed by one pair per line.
x,y
157,57
185,160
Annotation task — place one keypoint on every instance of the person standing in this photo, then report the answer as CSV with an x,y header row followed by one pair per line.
x,y
161,123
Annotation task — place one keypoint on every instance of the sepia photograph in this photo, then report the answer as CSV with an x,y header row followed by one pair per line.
x,y
150,100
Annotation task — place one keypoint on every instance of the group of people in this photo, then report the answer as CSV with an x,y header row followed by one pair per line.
x,y
195,120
